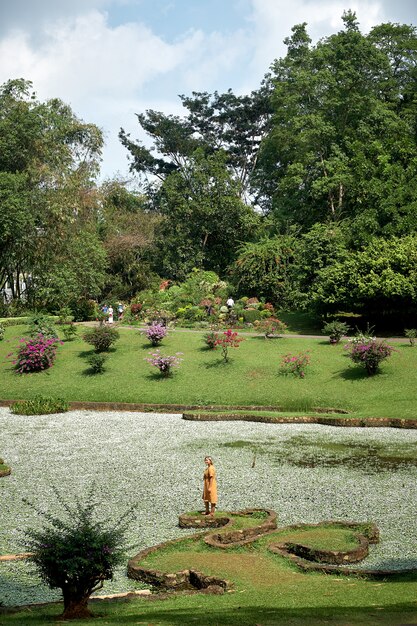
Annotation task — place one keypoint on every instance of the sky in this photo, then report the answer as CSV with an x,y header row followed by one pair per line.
x,y
111,59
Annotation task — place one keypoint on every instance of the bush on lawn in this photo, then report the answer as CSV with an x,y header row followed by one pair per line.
x,y
101,337
369,354
35,354
155,333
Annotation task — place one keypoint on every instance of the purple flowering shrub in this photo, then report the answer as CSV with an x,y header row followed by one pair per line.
x,y
295,364
155,333
164,363
35,353
369,353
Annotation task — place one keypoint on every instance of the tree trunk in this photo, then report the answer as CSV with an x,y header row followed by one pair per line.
x,y
75,608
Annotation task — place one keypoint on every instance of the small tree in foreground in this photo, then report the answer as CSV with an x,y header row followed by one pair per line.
x,y
228,339
78,554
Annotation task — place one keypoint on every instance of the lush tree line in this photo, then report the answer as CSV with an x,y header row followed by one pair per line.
x,y
303,192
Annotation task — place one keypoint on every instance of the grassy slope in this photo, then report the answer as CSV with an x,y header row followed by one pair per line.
x,y
268,590
251,378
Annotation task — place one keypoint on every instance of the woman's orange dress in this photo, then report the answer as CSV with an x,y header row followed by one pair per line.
x,y
210,485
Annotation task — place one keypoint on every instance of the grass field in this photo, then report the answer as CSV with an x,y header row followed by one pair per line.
x,y
252,377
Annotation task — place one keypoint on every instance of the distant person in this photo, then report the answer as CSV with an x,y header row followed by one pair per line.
x,y
120,309
230,303
110,313
209,487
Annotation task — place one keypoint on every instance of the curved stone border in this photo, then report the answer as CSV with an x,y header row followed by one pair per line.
x,y
193,579
332,561
243,536
376,422
366,422
194,521
15,557
178,581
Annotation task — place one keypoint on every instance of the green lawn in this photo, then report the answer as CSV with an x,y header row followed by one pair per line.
x,y
252,377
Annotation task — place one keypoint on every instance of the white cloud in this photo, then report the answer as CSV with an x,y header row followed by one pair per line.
x,y
272,21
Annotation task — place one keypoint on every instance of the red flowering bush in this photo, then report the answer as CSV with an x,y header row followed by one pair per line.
x,y
229,339
295,364
369,354
135,308
36,353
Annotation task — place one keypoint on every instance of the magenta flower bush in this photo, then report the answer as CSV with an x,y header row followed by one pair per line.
x,y
369,353
295,364
163,362
36,353
155,333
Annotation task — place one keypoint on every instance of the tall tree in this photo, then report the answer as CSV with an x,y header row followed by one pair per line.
x,y
204,218
340,146
48,161
215,122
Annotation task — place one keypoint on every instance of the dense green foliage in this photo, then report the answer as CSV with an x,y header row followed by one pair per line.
x,y
77,554
40,405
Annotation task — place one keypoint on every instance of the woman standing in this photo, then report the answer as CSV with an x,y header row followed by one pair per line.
x,y
210,487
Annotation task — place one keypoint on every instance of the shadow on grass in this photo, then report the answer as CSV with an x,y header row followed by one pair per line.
x,y
355,373
217,363
85,354
212,612
158,376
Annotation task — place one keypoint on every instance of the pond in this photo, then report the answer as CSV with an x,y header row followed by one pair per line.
x,y
307,473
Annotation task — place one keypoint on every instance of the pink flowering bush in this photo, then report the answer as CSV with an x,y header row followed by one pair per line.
x,y
155,333
369,353
295,364
36,353
229,339
163,362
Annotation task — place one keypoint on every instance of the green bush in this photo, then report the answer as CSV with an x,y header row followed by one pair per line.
x,y
40,324
1,332
69,330
78,552
251,315
410,333
40,405
335,330
101,337
96,363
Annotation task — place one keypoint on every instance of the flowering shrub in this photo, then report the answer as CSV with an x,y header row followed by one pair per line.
x,y
101,337
211,338
135,308
369,353
155,333
36,354
164,363
271,326
295,364
229,339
